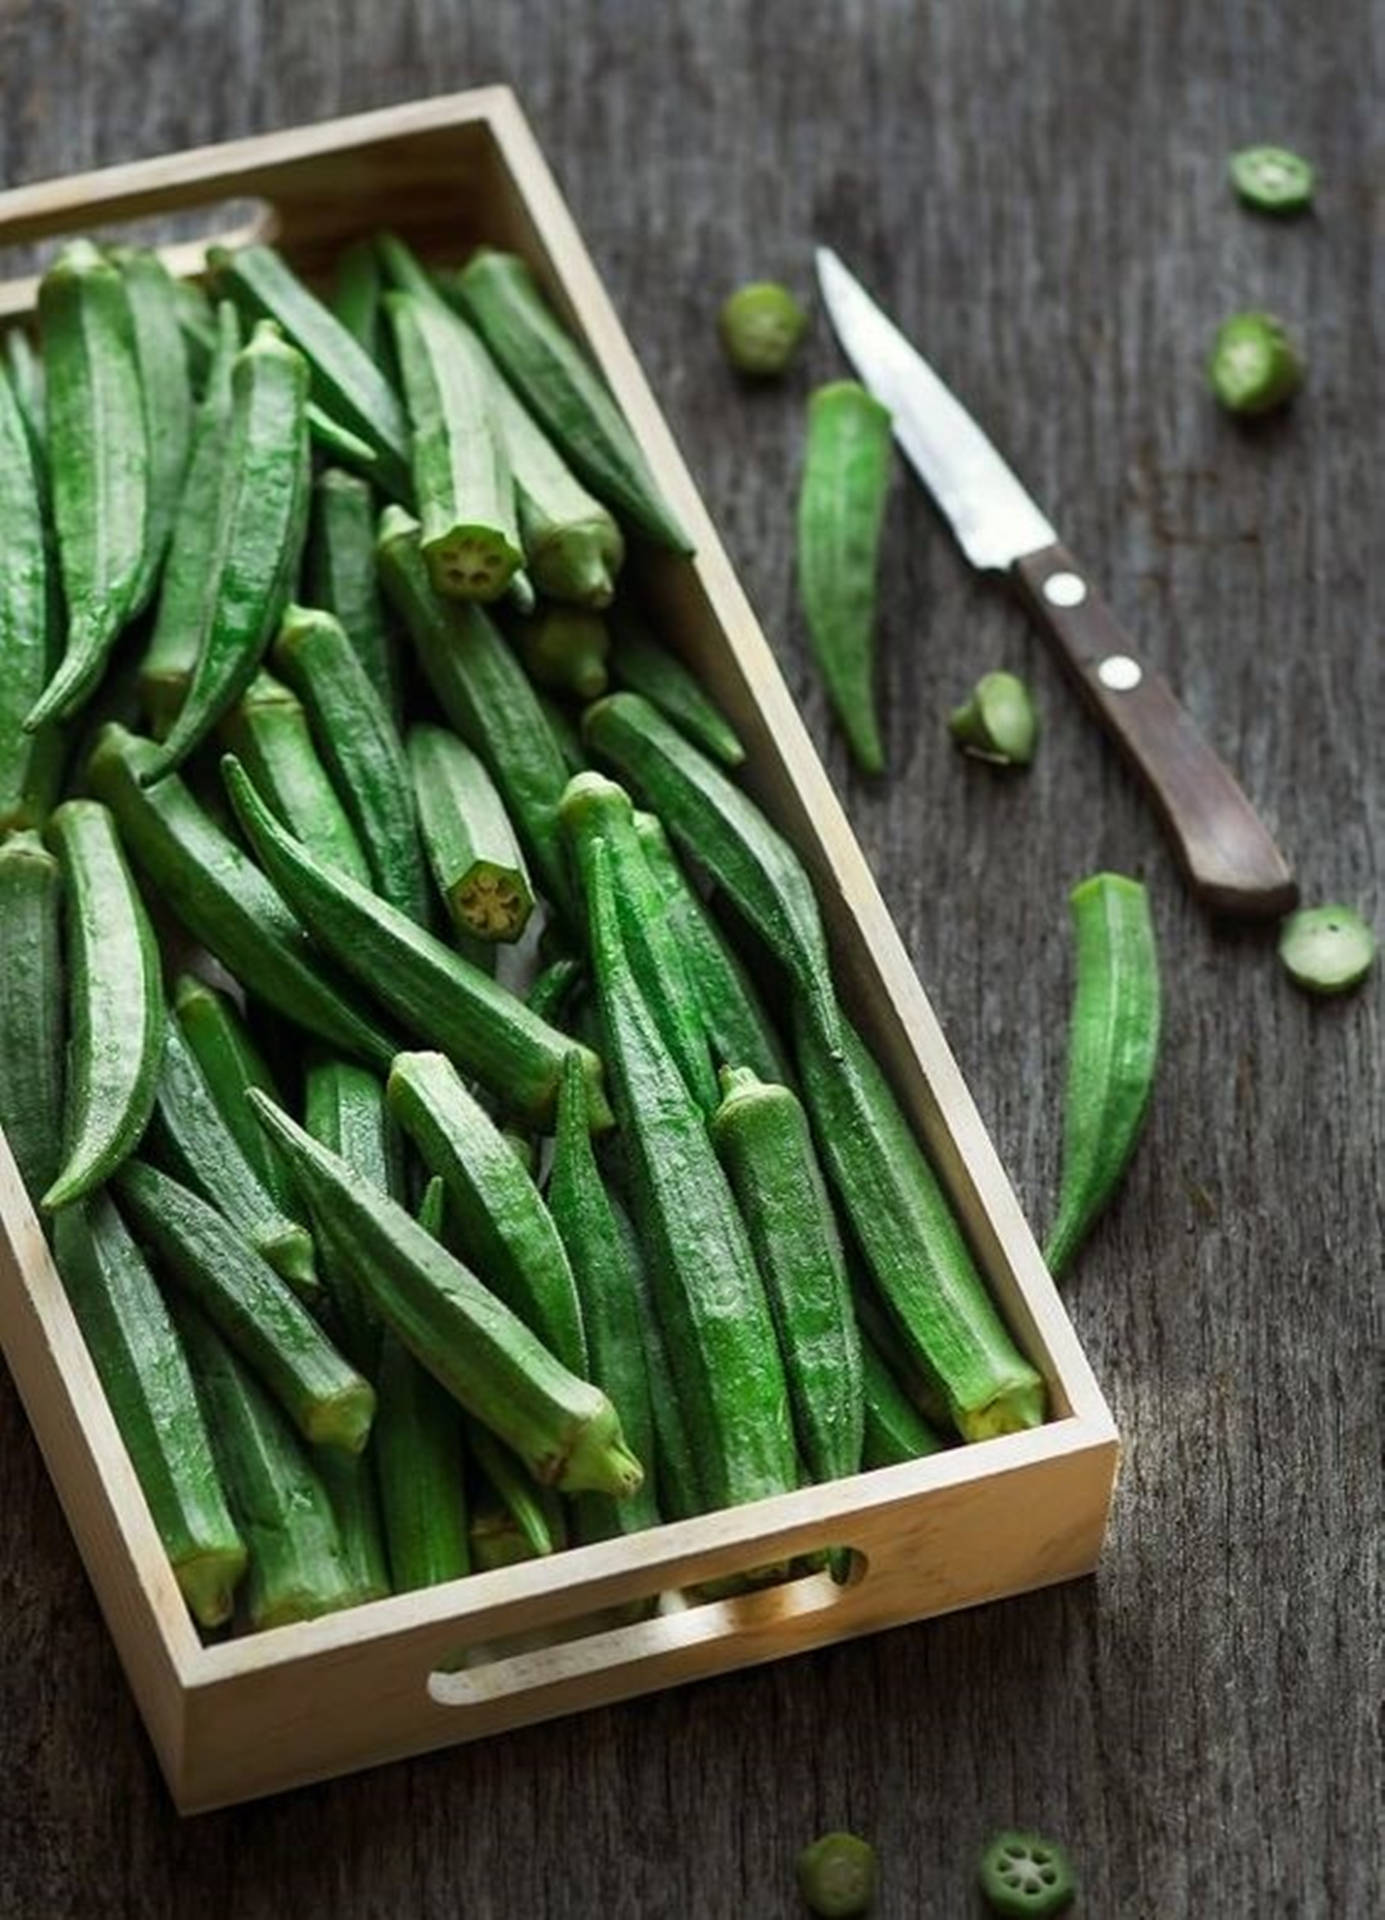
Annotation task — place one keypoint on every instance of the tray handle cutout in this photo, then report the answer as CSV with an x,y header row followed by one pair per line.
x,y
679,1625
181,240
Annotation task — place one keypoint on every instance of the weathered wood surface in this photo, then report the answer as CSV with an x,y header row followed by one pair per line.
x,y
1038,190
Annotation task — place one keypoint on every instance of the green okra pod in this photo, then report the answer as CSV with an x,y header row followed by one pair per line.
x,y
360,744
563,390
166,389
268,732
1113,1049
222,898
346,383
31,1009
472,847
167,668
261,515
342,575
149,1387
98,465
911,1239
329,1402
115,1002
639,663
754,865
28,631
841,509
566,1432
461,472
298,1567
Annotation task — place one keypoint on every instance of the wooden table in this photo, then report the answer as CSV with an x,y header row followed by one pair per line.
x,y
1040,193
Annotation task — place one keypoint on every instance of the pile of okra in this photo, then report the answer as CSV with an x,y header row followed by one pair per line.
x,y
390,960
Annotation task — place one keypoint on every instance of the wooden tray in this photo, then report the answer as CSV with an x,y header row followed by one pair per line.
x,y
301,1702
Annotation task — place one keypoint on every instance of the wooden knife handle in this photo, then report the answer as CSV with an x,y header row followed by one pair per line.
x,y
1231,861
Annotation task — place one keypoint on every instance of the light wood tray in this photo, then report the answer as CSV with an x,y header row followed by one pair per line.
x,y
298,1703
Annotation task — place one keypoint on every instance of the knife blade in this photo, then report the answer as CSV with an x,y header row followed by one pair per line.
x,y
1225,849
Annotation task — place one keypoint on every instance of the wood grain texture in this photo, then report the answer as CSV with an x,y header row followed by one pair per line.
x,y
1038,192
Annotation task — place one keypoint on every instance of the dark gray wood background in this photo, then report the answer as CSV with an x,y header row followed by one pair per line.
x,y
1038,190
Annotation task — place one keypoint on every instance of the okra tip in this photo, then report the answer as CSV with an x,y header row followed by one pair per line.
x,y
344,1421
601,1462
208,1580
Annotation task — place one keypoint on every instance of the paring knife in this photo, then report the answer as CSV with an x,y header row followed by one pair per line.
x,y
1232,863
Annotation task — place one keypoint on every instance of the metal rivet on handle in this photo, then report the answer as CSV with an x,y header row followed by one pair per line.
x,y
1065,590
1119,672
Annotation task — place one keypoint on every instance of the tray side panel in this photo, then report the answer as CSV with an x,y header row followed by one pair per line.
x,y
352,1705
91,1472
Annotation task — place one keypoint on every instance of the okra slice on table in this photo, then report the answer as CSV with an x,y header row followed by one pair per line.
x,y
261,521
346,383
461,471
359,741
31,1009
298,1569
115,1002
486,696
444,999
723,829
597,811
471,845
1326,950
98,465
223,899
494,1208
607,1288
738,1027
28,636
342,576
167,668
761,1136
841,508
190,1136
328,1401
709,1296
638,663
563,390
162,361
148,1385
761,325
1254,365
911,1240
566,1431
1113,1049
268,732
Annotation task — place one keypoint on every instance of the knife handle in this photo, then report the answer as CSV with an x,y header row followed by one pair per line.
x,y
1233,865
